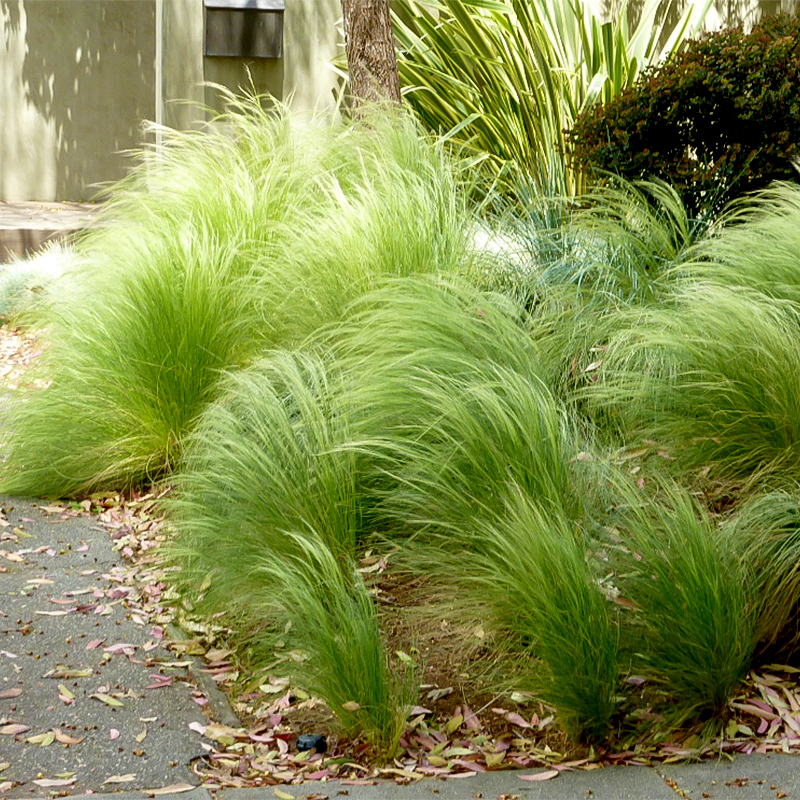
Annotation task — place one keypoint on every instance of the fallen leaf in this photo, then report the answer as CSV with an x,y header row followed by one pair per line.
x,y
351,705
140,737
64,672
13,729
63,692
65,738
107,699
454,724
56,613
283,795
126,778
540,776
174,788
9,693
43,739
113,734
47,782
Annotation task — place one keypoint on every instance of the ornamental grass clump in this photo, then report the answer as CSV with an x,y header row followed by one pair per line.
x,y
248,234
449,404
758,244
766,529
693,631
529,566
267,526
712,379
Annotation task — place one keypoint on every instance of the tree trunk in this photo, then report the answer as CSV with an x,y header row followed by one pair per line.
x,y
371,57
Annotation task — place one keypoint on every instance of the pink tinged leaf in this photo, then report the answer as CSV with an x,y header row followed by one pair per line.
x,y
201,701
763,726
469,764
471,721
159,681
9,693
121,647
83,548
541,776
197,727
65,738
318,775
94,643
516,719
13,729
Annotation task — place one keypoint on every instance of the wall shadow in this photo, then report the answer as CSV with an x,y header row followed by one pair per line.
x,y
90,67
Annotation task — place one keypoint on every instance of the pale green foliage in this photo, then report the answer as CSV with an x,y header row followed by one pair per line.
x,y
504,80
712,378
757,245
695,612
267,522
219,244
766,529
528,569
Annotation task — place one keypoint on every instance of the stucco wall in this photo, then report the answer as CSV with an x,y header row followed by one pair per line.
x,y
76,80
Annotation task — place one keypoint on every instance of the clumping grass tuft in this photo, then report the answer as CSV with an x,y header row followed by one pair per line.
x,y
529,569
758,244
249,234
267,524
444,386
695,621
766,529
342,659
713,379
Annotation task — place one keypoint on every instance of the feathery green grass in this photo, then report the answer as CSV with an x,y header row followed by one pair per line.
x,y
758,244
695,619
529,568
249,234
766,529
712,379
267,521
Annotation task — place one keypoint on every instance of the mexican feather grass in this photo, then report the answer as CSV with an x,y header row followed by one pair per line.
x,y
267,521
219,244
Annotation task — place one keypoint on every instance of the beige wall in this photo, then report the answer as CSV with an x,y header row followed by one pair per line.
x,y
76,79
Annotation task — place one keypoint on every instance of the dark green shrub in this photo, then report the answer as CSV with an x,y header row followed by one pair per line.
x,y
719,120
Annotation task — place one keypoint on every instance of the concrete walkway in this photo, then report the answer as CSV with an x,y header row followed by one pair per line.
x,y
26,226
